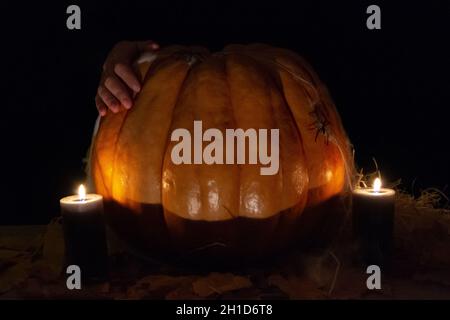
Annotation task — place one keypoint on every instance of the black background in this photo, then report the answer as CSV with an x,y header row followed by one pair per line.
x,y
391,86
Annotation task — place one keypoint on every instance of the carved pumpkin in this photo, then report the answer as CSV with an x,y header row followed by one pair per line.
x,y
228,209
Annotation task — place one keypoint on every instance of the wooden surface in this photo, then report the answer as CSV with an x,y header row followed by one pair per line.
x,y
31,259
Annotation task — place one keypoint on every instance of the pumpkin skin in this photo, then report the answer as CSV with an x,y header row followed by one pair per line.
x,y
221,210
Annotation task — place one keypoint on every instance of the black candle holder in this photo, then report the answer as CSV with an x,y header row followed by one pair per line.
x,y
85,237
373,227
85,244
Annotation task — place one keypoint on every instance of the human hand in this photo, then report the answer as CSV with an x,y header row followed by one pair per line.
x,y
119,82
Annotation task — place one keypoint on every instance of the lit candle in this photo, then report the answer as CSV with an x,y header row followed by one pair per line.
x,y
373,222
84,234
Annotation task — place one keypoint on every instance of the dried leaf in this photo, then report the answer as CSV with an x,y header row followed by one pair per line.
x,y
351,284
296,288
102,288
182,293
440,277
44,271
53,249
14,275
219,283
251,293
321,269
156,286
8,258
29,237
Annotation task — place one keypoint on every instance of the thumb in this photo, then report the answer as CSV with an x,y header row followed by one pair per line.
x,y
149,46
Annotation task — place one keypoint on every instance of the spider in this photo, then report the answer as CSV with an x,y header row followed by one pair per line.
x,y
321,122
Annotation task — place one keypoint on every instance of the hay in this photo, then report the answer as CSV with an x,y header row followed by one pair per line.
x,y
422,228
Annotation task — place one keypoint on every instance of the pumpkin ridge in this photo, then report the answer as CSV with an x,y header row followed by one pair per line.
x,y
272,78
268,82
97,163
289,109
275,76
281,159
185,83
253,110
278,91
237,214
94,151
115,152
194,64
268,66
166,145
152,66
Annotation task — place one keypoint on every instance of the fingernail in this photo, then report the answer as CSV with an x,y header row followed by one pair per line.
x,y
136,88
127,104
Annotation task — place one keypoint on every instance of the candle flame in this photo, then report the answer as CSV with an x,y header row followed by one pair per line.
x,y
377,185
82,192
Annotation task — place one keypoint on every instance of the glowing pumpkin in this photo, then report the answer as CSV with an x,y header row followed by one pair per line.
x,y
228,209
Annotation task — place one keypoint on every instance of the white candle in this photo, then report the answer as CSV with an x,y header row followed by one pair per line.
x,y
376,193
81,203
84,233
373,222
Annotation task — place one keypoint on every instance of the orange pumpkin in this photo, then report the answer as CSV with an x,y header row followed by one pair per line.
x,y
228,210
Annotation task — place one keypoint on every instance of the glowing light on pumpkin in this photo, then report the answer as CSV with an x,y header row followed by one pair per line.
x,y
377,185
329,175
81,192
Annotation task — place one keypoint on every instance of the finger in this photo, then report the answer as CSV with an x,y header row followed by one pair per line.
x,y
101,106
118,89
152,45
107,97
128,76
148,46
